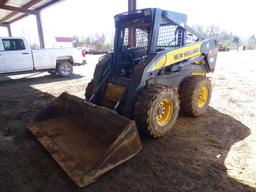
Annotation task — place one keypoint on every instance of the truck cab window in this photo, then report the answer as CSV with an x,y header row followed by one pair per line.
x,y
13,44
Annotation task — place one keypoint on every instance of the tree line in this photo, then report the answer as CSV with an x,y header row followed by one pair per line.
x,y
227,39
93,42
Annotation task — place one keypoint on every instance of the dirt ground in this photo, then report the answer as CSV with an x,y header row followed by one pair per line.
x,y
215,152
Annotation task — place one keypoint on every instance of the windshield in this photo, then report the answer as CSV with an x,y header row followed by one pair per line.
x,y
134,29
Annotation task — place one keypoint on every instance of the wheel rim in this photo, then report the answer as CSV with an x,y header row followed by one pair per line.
x,y
66,69
203,97
164,112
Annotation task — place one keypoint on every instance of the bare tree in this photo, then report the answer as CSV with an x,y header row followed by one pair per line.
x,y
251,42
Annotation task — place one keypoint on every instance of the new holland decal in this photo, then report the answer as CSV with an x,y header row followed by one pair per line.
x,y
186,54
178,55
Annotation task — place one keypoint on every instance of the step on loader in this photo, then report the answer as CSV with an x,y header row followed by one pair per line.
x,y
158,67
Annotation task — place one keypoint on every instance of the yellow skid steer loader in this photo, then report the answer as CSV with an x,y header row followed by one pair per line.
x,y
158,68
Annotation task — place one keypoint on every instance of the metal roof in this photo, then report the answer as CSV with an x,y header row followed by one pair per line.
x,y
13,10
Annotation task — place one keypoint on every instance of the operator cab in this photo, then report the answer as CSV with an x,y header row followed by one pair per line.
x,y
132,35
144,32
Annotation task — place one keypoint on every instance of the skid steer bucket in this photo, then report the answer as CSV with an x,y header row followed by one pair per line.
x,y
86,140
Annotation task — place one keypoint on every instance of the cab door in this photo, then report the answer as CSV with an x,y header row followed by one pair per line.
x,y
15,56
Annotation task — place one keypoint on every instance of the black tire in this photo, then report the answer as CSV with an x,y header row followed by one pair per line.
x,y
65,69
147,110
190,91
100,67
52,72
89,89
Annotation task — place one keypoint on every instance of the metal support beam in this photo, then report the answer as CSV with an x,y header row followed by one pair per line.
x,y
132,5
38,9
40,30
26,6
2,2
8,27
132,33
48,4
4,24
9,30
18,18
17,9
25,9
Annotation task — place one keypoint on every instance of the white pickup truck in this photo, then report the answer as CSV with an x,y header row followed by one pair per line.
x,y
17,56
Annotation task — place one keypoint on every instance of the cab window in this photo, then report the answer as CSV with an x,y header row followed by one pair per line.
x,y
13,44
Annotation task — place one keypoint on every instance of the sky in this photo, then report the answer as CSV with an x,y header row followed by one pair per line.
x,y
86,17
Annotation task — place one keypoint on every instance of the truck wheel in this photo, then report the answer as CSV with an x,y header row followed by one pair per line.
x,y
156,110
195,94
65,69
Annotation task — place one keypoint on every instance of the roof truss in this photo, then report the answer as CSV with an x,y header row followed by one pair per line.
x,y
25,9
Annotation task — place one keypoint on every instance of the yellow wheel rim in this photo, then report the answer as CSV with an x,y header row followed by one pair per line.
x,y
164,112
203,97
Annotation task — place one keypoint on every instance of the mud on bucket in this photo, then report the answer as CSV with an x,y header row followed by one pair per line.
x,y
86,140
